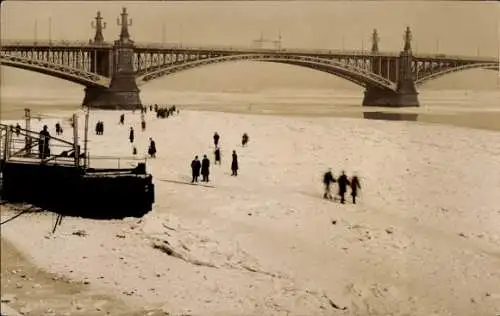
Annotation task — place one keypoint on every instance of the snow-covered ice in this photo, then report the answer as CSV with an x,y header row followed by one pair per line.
x,y
424,238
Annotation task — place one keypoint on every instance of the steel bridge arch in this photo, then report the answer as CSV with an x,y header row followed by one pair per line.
x,y
354,74
487,66
77,76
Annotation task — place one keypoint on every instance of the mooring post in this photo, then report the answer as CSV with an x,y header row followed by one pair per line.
x,y
86,136
6,145
75,140
27,123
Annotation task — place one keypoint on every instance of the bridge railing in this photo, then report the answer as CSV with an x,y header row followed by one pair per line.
x,y
178,46
455,57
113,162
45,43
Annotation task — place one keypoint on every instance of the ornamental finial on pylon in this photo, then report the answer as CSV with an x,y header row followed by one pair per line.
x,y
98,26
125,23
375,41
407,38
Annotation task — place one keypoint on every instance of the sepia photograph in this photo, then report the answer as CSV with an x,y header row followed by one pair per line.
x,y
226,158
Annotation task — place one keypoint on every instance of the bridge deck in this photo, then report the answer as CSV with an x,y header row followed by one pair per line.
x,y
6,44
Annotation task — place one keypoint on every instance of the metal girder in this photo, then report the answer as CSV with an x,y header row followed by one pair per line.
x,y
451,69
333,66
57,70
329,70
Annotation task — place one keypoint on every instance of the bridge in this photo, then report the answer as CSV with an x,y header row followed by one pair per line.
x,y
113,72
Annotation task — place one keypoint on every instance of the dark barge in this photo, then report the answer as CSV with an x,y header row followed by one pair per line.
x,y
64,183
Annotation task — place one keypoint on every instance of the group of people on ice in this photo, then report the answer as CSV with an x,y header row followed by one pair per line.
x,y
99,128
161,111
151,148
343,182
203,167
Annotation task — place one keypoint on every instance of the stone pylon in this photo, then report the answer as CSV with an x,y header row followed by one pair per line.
x,y
123,92
406,94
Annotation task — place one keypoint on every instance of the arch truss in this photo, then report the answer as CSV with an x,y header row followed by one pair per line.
x,y
356,69
429,70
74,66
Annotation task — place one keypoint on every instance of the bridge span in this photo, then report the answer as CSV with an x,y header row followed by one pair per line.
x,y
113,72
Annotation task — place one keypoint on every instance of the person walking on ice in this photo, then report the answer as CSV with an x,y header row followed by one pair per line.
x,y
244,140
217,156
152,148
131,135
216,139
354,188
343,183
234,164
327,180
205,168
195,169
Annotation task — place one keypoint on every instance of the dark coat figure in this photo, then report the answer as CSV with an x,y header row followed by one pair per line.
x,y
122,119
101,127
18,129
244,140
58,128
234,164
327,180
195,168
131,135
43,143
354,188
134,151
98,127
150,108
205,168
143,125
216,139
152,148
343,183
217,155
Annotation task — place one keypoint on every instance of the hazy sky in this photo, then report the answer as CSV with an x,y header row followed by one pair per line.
x,y
463,28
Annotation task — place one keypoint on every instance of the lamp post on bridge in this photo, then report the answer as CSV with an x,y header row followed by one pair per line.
x,y
98,25
163,33
124,34
50,30
375,41
180,35
36,31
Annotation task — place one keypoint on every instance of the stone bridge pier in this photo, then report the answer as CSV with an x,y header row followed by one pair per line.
x,y
123,92
406,94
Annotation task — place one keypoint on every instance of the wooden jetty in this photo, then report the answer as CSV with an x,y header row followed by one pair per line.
x,y
63,181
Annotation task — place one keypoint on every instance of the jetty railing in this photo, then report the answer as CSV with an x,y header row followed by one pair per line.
x,y
19,144
25,145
